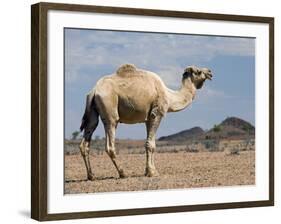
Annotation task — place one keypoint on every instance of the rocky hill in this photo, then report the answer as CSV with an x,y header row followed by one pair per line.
x,y
230,128
233,128
184,135
238,123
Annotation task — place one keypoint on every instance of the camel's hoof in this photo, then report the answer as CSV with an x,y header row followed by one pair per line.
x,y
151,173
122,174
91,177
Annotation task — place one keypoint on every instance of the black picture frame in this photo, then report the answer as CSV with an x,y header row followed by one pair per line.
x,y
39,107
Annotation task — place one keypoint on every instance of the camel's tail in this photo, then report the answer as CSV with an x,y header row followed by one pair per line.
x,y
90,118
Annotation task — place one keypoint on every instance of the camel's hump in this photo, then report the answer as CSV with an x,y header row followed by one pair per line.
x,y
126,69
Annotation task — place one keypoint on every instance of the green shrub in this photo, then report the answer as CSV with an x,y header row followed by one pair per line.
x,y
217,128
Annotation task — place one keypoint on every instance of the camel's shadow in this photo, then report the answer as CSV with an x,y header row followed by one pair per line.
x,y
75,181
86,180
103,178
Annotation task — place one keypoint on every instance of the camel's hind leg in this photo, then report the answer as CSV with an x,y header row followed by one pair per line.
x,y
84,149
90,127
110,129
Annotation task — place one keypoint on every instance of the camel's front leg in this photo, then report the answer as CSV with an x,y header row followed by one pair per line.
x,y
110,147
151,127
84,149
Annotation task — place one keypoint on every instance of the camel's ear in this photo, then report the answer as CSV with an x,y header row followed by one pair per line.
x,y
186,75
187,72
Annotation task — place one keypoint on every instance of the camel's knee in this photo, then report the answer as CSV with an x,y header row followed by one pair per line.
x,y
150,146
84,148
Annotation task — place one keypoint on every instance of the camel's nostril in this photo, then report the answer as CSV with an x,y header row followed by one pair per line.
x,y
209,76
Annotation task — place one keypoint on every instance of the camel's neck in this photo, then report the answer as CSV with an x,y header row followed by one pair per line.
x,y
178,100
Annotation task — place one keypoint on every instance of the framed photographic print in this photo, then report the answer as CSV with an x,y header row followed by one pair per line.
x,y
139,111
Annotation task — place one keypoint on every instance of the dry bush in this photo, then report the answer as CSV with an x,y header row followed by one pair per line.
x,y
232,151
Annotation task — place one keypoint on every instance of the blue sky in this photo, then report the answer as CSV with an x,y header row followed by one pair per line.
x,y
91,54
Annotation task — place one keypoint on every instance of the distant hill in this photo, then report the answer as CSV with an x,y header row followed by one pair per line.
x,y
184,135
230,128
237,123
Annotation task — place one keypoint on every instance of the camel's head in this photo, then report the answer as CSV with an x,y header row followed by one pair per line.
x,y
197,75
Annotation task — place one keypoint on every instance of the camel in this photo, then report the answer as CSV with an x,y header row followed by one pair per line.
x,y
132,95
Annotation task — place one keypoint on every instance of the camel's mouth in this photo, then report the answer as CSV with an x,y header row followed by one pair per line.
x,y
209,76
200,84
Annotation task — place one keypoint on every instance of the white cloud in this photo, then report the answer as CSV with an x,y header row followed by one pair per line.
x,y
164,53
171,75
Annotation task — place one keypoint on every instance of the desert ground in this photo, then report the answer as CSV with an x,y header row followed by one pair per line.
x,y
179,169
